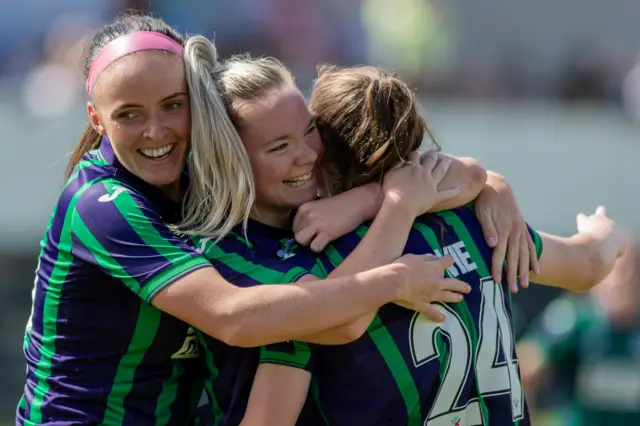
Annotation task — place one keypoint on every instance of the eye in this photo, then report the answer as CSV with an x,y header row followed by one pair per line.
x,y
173,105
127,115
279,148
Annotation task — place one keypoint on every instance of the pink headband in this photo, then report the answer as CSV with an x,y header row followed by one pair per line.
x,y
130,43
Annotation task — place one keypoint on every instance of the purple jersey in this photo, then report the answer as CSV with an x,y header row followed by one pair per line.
x,y
97,351
407,370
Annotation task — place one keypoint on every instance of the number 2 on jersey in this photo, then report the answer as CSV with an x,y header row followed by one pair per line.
x,y
493,376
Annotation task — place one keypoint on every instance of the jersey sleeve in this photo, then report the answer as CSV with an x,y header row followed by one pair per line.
x,y
235,260
120,232
536,240
300,355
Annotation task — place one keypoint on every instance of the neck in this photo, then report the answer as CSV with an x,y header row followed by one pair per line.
x,y
173,191
271,217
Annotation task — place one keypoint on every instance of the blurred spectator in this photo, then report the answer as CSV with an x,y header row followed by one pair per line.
x,y
591,347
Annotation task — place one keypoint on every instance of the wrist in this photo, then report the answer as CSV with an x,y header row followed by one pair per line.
x,y
395,207
388,281
373,201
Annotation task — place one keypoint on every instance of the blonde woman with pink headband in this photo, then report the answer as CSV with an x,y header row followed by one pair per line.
x,y
117,287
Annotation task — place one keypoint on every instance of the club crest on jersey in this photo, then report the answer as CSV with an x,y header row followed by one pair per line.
x,y
288,247
117,190
190,347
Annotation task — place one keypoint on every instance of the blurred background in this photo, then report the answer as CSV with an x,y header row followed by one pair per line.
x,y
545,92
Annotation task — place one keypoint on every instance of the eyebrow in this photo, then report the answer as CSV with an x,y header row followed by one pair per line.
x,y
285,137
166,98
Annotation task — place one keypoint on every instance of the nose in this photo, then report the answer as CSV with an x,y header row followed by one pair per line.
x,y
156,128
306,155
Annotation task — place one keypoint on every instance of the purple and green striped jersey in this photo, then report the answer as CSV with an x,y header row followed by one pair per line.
x,y
269,255
97,352
407,370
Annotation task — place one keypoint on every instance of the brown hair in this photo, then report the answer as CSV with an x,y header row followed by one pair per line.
x,y
368,120
125,24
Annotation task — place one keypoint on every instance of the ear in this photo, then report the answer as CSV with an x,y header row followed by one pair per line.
x,y
94,119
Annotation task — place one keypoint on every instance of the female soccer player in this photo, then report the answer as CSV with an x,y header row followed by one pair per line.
x,y
282,143
407,370
106,342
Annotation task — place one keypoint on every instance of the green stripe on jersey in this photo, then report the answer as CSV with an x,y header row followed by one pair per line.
x,y
298,359
144,333
460,308
129,208
390,352
143,336
50,309
208,383
453,220
168,395
254,271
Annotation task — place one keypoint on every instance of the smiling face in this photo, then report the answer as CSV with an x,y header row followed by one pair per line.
x,y
283,145
141,103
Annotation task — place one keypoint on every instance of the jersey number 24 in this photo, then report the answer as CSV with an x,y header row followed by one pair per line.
x,y
493,377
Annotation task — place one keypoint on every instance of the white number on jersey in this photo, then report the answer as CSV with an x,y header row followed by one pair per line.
x,y
494,377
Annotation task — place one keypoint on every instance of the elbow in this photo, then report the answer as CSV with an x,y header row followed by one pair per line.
x,y
477,173
476,178
230,327
353,333
349,333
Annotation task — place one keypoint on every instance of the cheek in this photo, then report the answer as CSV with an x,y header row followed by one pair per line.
x,y
123,137
180,123
268,173
315,143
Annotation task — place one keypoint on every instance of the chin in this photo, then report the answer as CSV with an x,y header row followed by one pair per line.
x,y
164,181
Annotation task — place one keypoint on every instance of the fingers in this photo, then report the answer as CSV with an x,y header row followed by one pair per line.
x,y
601,211
513,249
497,260
301,215
306,235
440,170
319,242
453,285
488,229
523,261
447,194
432,313
449,297
429,161
442,262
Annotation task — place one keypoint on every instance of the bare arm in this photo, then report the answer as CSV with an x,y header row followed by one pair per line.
x,y
580,262
383,242
316,224
576,263
387,236
277,396
261,315
466,173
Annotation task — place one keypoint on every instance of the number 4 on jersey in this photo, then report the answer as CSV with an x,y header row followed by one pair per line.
x,y
493,377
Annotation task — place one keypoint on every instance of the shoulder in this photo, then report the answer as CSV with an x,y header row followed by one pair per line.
x,y
109,201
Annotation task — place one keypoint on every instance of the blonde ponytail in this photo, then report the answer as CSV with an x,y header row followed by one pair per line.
x,y
221,191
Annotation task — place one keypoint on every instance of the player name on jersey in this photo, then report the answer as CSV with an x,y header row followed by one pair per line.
x,y
462,263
